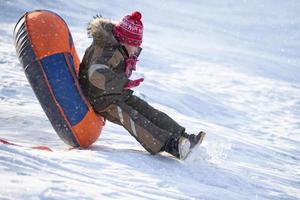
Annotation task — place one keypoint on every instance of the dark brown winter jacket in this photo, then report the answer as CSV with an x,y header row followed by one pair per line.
x,y
102,70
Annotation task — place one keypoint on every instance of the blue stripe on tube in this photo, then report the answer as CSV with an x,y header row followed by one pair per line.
x,y
64,88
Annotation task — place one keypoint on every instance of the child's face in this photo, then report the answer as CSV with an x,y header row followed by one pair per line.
x,y
132,50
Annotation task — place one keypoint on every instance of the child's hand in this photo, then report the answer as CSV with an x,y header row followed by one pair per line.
x,y
133,83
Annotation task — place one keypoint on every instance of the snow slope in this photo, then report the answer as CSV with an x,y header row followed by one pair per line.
x,y
231,68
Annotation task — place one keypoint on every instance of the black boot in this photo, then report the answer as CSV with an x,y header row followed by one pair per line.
x,y
195,139
181,147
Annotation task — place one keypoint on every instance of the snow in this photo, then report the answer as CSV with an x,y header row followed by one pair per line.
x,y
230,68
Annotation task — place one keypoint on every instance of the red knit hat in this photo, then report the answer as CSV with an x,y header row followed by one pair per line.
x,y
130,29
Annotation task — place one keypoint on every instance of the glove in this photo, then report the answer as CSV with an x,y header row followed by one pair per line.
x,y
133,83
130,65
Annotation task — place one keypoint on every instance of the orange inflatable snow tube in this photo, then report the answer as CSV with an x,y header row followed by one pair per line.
x,y
46,50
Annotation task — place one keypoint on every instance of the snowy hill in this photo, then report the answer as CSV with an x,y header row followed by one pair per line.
x,y
230,68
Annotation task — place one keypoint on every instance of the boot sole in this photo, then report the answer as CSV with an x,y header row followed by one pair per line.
x,y
184,148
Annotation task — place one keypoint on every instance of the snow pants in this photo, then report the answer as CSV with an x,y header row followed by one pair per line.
x,y
152,128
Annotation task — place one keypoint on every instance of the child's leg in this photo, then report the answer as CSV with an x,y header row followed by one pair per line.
x,y
157,117
150,136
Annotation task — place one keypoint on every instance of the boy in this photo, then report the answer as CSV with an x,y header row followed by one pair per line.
x,y
104,77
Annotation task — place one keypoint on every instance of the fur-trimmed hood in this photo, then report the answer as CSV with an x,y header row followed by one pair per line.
x,y
100,29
